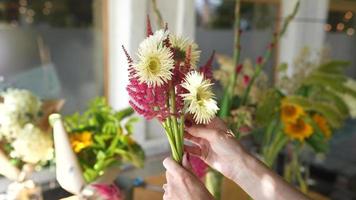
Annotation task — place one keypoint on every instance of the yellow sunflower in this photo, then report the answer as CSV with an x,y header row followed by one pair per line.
x,y
291,112
298,130
323,125
80,141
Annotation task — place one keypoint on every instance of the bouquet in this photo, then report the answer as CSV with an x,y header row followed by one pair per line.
x,y
92,147
25,140
101,138
303,111
164,83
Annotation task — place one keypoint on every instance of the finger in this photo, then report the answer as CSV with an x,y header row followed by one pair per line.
x,y
195,150
217,123
195,140
202,132
172,167
165,188
186,162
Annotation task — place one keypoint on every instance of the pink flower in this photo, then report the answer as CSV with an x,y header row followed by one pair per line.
x,y
207,68
239,68
246,80
108,192
145,100
199,167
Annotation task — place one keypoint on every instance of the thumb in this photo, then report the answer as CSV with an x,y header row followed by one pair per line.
x,y
186,162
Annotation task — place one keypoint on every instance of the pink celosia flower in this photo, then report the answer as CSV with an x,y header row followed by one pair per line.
x,y
246,80
207,69
108,192
199,167
239,68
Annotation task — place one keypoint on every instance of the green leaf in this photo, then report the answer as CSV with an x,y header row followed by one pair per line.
x,y
268,107
129,125
317,142
334,66
334,117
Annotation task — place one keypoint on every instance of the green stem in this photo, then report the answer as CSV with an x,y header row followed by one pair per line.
x,y
295,160
275,39
229,90
170,137
178,140
274,148
158,14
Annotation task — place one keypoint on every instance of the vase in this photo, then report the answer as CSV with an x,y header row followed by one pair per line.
x,y
68,171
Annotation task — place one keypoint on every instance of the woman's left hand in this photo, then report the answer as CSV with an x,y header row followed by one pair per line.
x,y
183,184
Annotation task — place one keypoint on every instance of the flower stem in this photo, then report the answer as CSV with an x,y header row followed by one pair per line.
x,y
229,90
275,39
158,14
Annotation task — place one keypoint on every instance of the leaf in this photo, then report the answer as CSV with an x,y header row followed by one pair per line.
x,y
317,142
334,117
120,115
330,96
334,66
129,124
268,107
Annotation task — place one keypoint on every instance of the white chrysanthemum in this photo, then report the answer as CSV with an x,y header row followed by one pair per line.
x,y
182,44
10,124
33,145
21,101
155,60
17,108
199,100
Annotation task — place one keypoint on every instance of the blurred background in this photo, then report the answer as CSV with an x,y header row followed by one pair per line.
x,y
65,49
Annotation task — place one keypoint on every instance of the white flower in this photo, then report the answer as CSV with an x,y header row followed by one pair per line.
x,y
200,99
18,107
33,145
21,101
181,45
155,60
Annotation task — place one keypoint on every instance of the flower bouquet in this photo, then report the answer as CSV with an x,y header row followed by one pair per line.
x,y
25,139
165,84
303,111
98,143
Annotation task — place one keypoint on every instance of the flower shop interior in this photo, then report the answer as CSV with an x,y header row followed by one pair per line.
x,y
96,94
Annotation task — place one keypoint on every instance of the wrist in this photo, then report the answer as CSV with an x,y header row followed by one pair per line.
x,y
239,165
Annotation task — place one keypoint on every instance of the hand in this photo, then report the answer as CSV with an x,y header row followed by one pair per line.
x,y
216,146
182,184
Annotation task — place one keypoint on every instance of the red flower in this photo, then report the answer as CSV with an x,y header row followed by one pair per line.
x,y
108,192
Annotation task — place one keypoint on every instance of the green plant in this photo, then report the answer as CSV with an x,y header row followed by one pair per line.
x,y
101,137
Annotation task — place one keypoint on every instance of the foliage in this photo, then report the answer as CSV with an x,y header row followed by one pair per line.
x,y
112,142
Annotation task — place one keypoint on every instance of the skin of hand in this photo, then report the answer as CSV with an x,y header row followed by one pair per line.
x,y
215,146
220,150
182,184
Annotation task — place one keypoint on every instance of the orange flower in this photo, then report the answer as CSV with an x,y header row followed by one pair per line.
x,y
298,130
80,141
323,125
291,112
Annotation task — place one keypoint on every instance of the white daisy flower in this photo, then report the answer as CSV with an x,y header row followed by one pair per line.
x,y
155,60
199,100
33,145
181,45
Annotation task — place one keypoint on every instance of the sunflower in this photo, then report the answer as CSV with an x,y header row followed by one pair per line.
x,y
155,63
80,141
291,112
298,130
200,99
323,125
181,45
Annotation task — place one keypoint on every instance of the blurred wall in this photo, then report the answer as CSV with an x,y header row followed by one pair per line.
x,y
72,51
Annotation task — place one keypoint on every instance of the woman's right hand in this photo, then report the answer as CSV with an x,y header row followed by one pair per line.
x,y
216,146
